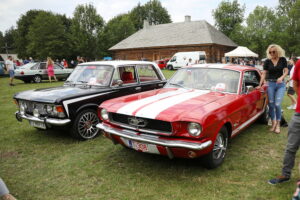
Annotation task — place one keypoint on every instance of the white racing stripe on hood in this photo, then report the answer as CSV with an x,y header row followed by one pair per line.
x,y
152,110
133,106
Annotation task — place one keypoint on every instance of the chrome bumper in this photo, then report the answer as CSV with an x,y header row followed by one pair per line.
x,y
47,121
152,139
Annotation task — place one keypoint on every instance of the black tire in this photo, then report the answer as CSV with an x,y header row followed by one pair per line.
x,y
37,79
264,118
216,157
84,126
170,67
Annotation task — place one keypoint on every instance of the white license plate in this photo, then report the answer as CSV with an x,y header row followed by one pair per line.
x,y
40,125
139,146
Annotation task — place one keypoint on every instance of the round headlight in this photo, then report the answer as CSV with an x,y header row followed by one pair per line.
x,y
194,129
49,108
104,114
22,109
36,112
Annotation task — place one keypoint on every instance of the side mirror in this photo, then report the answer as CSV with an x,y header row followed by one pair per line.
x,y
118,83
249,88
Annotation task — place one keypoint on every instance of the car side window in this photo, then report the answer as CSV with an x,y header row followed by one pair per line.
x,y
56,66
147,73
35,67
126,74
42,66
251,78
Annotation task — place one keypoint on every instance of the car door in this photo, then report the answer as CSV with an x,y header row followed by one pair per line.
x,y
130,84
59,71
42,70
148,77
253,99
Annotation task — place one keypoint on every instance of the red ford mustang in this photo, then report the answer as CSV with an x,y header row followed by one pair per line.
x,y
194,115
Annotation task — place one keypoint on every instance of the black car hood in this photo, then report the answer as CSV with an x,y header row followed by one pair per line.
x,y
58,94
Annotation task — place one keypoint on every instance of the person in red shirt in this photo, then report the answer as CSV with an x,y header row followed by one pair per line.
x,y
293,135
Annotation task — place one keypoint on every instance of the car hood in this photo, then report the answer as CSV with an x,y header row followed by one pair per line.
x,y
169,104
58,94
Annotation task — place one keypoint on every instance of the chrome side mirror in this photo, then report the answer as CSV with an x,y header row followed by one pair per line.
x,y
249,88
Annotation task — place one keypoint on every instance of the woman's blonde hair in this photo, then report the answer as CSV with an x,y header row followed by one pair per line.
x,y
280,51
50,61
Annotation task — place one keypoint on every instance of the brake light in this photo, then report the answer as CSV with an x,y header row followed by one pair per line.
x,y
22,73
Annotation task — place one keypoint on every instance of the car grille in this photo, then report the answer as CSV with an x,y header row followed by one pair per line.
x,y
143,124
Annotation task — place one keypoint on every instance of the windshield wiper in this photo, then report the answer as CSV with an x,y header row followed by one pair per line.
x,y
176,84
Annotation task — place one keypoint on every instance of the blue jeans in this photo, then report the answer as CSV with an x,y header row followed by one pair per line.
x,y
275,95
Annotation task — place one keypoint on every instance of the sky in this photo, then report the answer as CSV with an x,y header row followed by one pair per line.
x,y
12,10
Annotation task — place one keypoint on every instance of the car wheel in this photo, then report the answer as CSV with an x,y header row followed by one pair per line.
x,y
37,79
170,67
84,126
216,157
264,118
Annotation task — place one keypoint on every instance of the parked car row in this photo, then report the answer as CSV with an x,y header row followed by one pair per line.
x,y
194,115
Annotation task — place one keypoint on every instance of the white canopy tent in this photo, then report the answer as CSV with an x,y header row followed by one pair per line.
x,y
241,52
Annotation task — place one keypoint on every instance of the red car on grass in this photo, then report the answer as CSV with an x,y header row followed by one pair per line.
x,y
162,64
195,114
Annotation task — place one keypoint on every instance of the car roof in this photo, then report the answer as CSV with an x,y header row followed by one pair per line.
x,y
116,63
234,67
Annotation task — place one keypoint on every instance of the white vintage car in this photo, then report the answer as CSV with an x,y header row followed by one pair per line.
x,y
37,72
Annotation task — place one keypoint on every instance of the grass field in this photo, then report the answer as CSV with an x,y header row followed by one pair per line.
x,y
48,165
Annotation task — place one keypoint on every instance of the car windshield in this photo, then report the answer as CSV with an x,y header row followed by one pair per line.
x,y
221,80
91,75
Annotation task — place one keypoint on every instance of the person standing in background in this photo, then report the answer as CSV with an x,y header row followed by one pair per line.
x,y
291,91
276,69
11,70
50,69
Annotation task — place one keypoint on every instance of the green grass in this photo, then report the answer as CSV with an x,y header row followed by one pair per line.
x,y
51,165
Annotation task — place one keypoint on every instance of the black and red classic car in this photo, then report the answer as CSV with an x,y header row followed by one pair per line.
x,y
74,105
195,114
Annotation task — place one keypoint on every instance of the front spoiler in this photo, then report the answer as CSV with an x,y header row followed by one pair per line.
x,y
47,121
131,135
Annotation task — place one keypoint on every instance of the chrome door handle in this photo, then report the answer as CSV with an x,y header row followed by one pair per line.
x,y
138,88
160,84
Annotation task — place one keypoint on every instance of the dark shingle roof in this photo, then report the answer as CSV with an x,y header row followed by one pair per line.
x,y
173,34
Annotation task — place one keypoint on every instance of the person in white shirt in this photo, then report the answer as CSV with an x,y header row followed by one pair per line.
x,y
291,91
10,68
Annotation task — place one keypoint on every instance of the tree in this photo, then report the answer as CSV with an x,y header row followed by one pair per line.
x,y
86,26
117,29
47,37
228,15
9,39
23,25
2,42
151,11
259,30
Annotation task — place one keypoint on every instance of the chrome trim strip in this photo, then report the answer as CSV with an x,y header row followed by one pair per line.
x,y
132,135
247,123
52,121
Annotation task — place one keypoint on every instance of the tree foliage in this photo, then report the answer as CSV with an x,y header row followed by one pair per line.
x,y
85,28
152,11
47,37
228,15
117,29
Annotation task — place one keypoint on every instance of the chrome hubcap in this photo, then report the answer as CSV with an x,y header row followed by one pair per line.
x,y
219,147
87,125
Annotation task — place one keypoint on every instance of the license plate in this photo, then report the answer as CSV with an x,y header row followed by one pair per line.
x,y
40,125
139,146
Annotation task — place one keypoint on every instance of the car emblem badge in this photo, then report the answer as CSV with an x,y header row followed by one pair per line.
x,y
137,122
